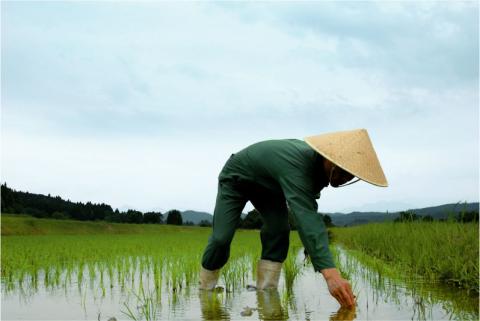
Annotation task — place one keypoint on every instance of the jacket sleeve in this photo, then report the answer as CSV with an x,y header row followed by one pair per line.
x,y
310,225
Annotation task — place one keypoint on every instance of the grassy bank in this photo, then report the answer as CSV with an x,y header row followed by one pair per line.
x,y
13,224
447,252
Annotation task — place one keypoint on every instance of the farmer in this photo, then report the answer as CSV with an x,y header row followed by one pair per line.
x,y
274,174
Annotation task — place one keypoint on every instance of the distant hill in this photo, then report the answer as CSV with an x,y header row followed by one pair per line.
x,y
196,217
442,211
357,218
47,206
437,212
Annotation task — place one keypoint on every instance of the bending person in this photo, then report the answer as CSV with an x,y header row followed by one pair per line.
x,y
274,174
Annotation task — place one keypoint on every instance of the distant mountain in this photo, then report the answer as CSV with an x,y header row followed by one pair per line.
x,y
442,211
196,217
379,206
437,212
357,218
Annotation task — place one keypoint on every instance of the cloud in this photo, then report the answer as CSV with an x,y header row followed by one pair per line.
x,y
413,42
123,91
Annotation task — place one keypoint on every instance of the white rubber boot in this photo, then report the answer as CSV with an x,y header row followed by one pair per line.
x,y
268,274
208,279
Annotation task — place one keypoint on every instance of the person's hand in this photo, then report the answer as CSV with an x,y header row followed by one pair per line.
x,y
339,288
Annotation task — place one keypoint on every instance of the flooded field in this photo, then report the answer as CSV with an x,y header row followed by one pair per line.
x,y
100,277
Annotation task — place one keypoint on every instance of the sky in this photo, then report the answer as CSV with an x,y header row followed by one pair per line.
x,y
139,104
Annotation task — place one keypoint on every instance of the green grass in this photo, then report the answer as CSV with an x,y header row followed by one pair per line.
x,y
55,252
438,251
391,283
445,251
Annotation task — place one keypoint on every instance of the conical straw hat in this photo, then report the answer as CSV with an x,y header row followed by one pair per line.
x,y
352,151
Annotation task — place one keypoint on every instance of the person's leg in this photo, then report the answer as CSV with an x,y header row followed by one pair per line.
x,y
228,208
274,235
275,231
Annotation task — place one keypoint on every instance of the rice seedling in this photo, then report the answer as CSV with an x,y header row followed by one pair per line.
x,y
124,261
144,307
292,267
438,251
388,282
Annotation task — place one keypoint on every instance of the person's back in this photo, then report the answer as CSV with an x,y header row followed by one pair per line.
x,y
271,174
266,162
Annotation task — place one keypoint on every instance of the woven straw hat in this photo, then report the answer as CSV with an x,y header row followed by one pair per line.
x,y
352,151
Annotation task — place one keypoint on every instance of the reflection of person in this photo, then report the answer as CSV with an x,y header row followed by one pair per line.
x,y
270,306
275,173
211,306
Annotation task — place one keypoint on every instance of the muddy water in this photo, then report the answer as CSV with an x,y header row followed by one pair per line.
x,y
378,298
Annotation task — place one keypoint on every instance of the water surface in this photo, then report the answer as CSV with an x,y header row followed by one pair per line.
x,y
134,294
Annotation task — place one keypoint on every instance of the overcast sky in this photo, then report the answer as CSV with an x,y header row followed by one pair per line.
x,y
140,104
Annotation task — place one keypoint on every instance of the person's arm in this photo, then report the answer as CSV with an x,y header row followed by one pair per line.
x,y
310,225
313,233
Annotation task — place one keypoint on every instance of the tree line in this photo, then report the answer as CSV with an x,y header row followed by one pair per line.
x,y
47,206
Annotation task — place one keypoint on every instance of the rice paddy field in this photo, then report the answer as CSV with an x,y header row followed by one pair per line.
x,y
446,252
68,270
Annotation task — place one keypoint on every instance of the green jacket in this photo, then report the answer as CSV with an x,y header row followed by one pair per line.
x,y
291,167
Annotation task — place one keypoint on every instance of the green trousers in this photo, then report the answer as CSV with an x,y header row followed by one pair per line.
x,y
233,193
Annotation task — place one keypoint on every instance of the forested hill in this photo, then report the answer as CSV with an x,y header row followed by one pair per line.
x,y
440,212
43,206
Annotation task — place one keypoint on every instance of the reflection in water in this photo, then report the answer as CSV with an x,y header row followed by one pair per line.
x,y
302,294
212,306
270,306
344,314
